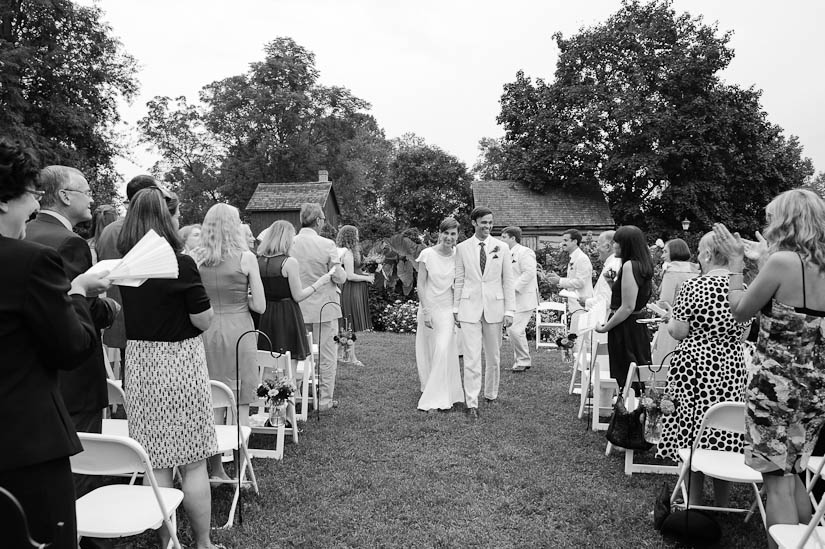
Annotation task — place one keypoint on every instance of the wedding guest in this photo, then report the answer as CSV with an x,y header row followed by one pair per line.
x,y
114,337
316,257
436,353
708,366
610,268
627,341
230,275
579,277
168,398
283,287
104,215
191,237
527,296
785,393
677,269
355,294
46,326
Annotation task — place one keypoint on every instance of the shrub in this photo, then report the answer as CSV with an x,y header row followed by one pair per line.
x,y
381,297
400,317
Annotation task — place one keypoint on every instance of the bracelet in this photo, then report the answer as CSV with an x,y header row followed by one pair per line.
x,y
736,290
736,274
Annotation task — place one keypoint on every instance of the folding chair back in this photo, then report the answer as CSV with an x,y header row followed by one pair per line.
x,y
275,362
725,416
557,310
109,455
116,395
223,398
793,536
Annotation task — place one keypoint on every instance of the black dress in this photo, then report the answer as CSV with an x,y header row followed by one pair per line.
x,y
355,302
282,321
629,341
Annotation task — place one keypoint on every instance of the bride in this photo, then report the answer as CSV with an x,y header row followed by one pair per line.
x,y
435,343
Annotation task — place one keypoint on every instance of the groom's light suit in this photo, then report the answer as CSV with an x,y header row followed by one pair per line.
x,y
481,301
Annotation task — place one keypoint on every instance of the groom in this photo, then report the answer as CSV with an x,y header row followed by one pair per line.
x,y
484,298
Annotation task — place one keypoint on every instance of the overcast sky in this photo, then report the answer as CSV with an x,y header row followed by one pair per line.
x,y
437,67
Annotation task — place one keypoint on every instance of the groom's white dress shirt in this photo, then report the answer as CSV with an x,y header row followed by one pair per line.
x,y
579,278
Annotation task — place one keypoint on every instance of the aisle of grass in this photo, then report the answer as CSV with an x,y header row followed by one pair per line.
x,y
379,473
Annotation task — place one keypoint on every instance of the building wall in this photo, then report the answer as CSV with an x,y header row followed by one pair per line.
x,y
261,220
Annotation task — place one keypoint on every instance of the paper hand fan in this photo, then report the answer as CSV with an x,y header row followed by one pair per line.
x,y
151,257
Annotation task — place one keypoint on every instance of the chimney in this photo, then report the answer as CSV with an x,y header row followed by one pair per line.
x,y
323,176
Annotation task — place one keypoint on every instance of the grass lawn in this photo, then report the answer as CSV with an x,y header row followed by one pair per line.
x,y
379,473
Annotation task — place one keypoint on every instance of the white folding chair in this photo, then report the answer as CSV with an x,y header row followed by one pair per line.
x,y
655,374
232,439
306,376
116,396
278,365
602,386
556,314
801,536
120,510
728,466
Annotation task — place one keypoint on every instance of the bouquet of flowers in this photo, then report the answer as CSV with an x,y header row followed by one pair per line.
x,y
372,262
566,344
346,344
276,391
656,404
610,276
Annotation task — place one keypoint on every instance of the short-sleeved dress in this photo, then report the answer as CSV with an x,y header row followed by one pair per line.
x,y
785,392
168,397
282,321
355,300
228,288
629,341
707,368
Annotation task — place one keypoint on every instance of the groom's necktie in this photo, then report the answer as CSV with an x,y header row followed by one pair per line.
x,y
482,257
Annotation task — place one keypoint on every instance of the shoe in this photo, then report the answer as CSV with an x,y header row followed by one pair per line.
x,y
472,413
519,368
491,400
328,407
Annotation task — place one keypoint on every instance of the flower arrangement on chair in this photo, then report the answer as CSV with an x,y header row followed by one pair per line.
x,y
656,404
566,344
276,392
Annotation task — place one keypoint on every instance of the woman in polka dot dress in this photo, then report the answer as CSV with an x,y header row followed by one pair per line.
x,y
708,365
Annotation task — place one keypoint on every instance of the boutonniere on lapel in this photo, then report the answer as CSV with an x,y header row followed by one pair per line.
x,y
493,251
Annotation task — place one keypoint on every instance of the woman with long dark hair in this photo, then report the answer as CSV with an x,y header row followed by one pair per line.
x,y
627,340
168,397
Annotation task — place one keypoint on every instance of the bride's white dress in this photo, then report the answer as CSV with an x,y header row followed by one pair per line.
x,y
435,348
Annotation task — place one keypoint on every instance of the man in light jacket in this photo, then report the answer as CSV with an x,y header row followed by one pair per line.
x,y
579,279
318,256
527,296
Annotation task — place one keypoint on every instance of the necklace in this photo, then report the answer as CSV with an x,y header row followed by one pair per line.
x,y
719,272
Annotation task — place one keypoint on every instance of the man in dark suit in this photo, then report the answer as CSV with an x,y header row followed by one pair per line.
x,y
67,201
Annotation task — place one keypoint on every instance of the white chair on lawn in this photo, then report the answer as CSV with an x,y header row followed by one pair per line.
x,y
556,313
278,365
305,375
647,374
602,388
813,473
802,536
728,466
581,363
117,397
121,510
229,440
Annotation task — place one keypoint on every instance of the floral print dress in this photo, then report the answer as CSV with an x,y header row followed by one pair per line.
x,y
786,389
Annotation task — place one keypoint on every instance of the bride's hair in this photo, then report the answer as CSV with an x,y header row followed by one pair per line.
x,y
447,224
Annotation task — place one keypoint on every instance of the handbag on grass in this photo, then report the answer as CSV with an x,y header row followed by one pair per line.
x,y
626,429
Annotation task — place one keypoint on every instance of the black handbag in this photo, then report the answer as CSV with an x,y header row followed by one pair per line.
x,y
626,429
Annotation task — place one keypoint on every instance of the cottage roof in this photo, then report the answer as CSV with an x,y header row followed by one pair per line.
x,y
288,196
513,203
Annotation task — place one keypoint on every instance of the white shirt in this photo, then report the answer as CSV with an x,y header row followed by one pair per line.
x,y
602,289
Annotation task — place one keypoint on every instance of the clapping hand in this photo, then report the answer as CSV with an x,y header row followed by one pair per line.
x,y
553,279
731,245
756,250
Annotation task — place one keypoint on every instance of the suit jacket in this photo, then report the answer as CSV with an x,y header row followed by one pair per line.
x,y
579,278
106,248
524,271
42,329
316,255
84,388
489,294
602,289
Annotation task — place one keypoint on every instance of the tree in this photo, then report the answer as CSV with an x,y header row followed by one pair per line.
x,y
637,107
491,163
817,184
425,185
190,154
61,76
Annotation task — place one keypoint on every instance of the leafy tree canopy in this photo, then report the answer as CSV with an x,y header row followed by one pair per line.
x,y
637,106
61,76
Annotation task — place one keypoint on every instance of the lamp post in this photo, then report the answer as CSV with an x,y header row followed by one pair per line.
x,y
685,224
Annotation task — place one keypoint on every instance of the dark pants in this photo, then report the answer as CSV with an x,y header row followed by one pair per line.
x,y
46,493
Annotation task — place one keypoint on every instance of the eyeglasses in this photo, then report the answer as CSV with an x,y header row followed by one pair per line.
x,y
38,194
87,193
